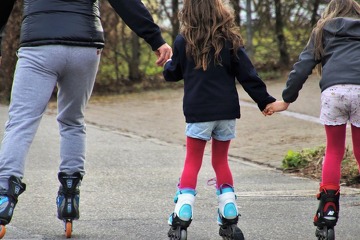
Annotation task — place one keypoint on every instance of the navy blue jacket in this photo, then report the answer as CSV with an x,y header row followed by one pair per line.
x,y
77,22
212,95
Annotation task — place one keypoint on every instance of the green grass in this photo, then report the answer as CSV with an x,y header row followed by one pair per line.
x,y
308,163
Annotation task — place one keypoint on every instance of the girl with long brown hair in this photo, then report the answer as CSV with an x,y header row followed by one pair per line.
x,y
334,47
209,55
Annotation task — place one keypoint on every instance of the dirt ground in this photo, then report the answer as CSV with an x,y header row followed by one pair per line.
x,y
158,115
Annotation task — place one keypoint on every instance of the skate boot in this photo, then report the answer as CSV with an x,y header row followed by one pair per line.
x,y
67,200
181,218
228,214
327,214
8,200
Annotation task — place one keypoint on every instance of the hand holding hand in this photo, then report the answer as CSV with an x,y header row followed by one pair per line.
x,y
277,106
163,53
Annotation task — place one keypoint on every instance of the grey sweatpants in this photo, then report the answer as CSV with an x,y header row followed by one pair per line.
x,y
38,70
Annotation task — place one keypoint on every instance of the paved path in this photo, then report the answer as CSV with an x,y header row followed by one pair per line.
x,y
131,179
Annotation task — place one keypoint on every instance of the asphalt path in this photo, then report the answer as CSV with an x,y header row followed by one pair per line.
x,y
128,192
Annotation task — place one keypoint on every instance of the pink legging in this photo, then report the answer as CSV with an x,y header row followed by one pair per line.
x,y
335,149
193,160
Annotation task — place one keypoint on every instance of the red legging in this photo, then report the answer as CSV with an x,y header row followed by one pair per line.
x,y
335,149
193,160
219,160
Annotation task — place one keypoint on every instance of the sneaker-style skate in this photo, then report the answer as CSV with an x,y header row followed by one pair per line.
x,y
327,214
67,201
8,200
228,214
181,218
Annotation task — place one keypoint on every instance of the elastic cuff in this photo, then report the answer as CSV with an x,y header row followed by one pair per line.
x,y
167,62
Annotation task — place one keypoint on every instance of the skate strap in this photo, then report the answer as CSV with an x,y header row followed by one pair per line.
x,y
211,182
329,187
184,191
16,187
187,190
69,182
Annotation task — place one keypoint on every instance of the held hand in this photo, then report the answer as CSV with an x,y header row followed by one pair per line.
x,y
277,106
163,53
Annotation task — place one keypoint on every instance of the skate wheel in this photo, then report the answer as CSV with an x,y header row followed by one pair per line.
x,y
232,232
177,233
330,234
183,234
325,233
68,229
2,231
238,234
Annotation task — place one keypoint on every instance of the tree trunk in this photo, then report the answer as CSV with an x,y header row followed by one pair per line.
x,y
249,30
237,10
314,16
10,44
174,19
134,63
279,31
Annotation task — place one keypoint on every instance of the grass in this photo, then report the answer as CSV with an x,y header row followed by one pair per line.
x,y
308,163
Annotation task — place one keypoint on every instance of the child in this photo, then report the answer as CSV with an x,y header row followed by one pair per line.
x,y
209,55
335,48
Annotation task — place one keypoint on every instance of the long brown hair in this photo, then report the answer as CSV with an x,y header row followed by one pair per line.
x,y
205,25
335,8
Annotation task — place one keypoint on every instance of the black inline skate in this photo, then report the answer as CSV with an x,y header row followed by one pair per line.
x,y
181,218
8,200
228,214
67,200
327,214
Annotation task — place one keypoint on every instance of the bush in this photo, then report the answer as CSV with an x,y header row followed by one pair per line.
x,y
308,163
296,160
293,160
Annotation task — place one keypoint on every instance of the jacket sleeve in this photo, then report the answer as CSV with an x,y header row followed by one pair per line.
x,y
249,79
139,19
172,69
300,73
6,7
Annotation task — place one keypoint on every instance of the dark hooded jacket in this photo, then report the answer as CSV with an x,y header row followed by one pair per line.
x,y
340,63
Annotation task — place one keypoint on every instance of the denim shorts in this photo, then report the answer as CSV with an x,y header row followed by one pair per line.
x,y
340,104
222,130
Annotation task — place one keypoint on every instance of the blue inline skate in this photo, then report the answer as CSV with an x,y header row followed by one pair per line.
x,y
181,218
67,200
8,200
228,214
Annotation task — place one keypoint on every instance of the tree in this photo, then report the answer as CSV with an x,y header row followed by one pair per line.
x,y
134,63
314,15
249,30
279,31
237,9
10,45
124,58
172,12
